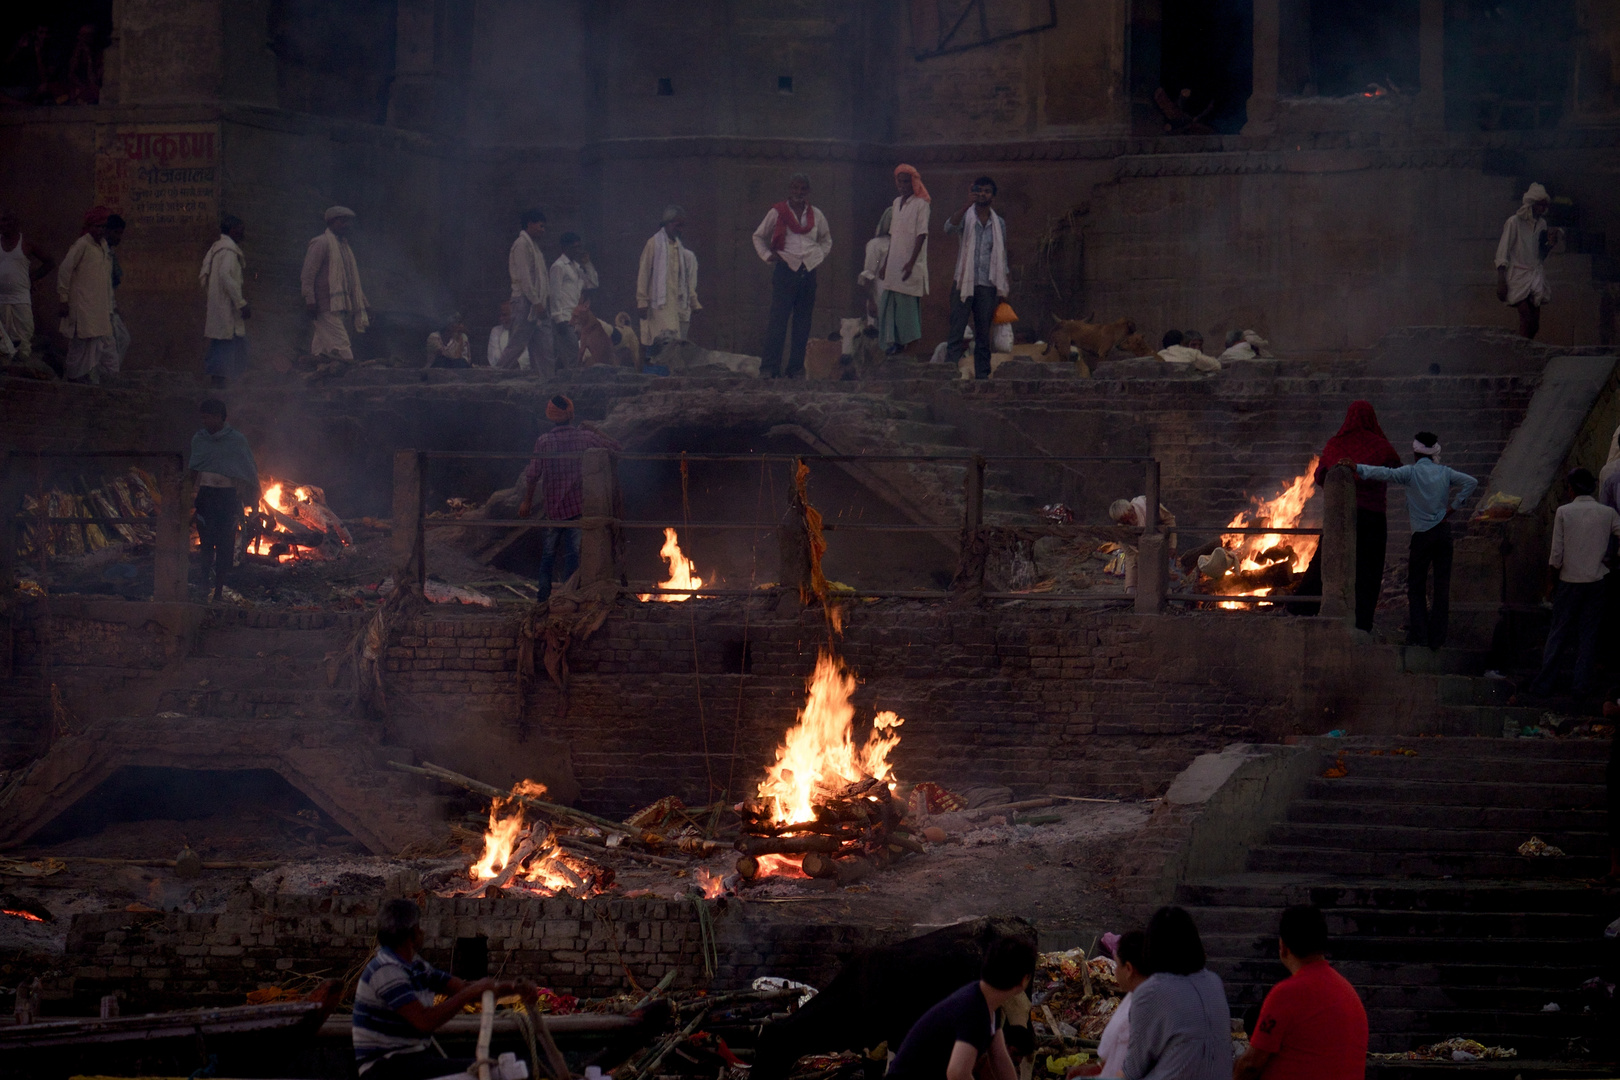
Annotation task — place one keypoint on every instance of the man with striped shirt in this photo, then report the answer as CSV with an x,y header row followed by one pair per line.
x,y
394,1010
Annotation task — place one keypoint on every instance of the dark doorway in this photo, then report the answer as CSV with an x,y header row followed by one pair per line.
x,y
1206,64
1508,66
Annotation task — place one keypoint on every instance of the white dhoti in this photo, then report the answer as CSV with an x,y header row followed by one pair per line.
x,y
17,320
663,320
331,336
1527,283
91,358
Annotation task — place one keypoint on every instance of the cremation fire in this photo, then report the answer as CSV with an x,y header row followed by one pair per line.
x,y
18,913
826,808
680,571
518,854
292,522
1263,562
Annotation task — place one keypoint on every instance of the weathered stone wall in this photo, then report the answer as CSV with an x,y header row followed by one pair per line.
x,y
572,946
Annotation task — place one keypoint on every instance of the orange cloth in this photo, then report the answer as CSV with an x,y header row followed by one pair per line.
x,y
559,415
917,188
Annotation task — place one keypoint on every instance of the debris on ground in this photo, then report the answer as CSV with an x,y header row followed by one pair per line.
x,y
1451,1050
1537,846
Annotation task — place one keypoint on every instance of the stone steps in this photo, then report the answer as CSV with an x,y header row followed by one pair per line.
x,y
1357,789
1273,857
1525,820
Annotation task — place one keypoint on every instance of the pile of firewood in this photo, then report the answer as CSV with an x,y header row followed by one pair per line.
x,y
856,830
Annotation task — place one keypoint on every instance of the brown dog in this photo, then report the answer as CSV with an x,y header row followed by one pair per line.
x,y
1135,344
1098,339
593,340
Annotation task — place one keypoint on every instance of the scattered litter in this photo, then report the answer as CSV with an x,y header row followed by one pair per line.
x,y
1338,733
1057,1066
1452,1050
36,868
1057,514
1537,846
1551,1006
1499,507
773,982
439,592
1337,769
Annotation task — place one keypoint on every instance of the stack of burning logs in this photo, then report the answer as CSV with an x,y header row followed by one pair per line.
x,y
290,522
857,829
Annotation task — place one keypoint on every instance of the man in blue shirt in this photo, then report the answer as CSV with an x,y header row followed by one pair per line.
x,y
1428,500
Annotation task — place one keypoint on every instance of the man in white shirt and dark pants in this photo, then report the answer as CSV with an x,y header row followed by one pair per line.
x,y
981,275
1580,543
531,287
572,276
794,238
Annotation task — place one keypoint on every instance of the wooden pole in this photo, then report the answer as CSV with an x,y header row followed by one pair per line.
x,y
407,507
170,552
1339,545
486,1029
596,543
1152,551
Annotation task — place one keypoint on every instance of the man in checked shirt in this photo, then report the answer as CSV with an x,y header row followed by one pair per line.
x,y
564,480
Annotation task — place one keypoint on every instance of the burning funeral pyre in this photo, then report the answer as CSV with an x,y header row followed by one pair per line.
x,y
291,522
826,808
1257,564
680,572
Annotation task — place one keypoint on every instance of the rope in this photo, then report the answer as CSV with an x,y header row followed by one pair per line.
x,y
753,580
697,675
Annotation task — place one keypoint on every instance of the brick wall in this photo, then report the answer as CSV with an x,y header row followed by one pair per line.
x,y
1042,699
577,947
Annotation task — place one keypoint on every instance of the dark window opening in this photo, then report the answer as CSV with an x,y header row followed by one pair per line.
x,y
1508,66
737,658
1206,67
52,53
1357,46
784,84
666,87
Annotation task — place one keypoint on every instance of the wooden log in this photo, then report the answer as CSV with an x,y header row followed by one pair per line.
x,y
845,871
909,843
818,865
748,867
448,776
787,845
599,848
524,850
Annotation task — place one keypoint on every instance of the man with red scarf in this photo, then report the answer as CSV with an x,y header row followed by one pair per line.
x,y
794,238
1362,442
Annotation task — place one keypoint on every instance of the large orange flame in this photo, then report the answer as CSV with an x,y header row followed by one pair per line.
x,y
680,571
818,754
304,504
1282,511
507,832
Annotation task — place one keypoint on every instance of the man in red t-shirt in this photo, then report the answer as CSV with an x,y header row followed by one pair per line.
x,y
1312,1026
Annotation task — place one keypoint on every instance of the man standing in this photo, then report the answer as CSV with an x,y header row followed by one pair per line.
x,y
531,286
22,263
225,327
395,1014
794,239
221,461
1312,1025
666,282
572,276
115,236
564,480
949,1039
904,272
1428,501
84,287
981,275
1521,276
1580,541
331,285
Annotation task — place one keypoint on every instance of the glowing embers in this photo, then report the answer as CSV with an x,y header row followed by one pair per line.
x,y
292,522
680,571
1255,564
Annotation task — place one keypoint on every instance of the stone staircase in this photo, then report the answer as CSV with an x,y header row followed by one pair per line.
x,y
1443,929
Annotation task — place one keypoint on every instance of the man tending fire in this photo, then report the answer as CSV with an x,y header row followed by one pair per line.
x,y
564,479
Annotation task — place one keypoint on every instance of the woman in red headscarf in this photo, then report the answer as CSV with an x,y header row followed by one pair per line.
x,y
1363,442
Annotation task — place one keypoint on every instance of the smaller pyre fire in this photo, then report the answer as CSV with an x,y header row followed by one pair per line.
x,y
826,808
1255,564
291,522
680,571
526,856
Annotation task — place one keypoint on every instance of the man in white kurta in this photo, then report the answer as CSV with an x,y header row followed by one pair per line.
x,y
572,276
1521,275
84,287
666,282
793,239
904,274
331,287
531,297
225,326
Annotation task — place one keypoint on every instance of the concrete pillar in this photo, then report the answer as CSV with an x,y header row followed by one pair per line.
x,y
1152,572
12,487
1267,44
171,542
1339,545
596,540
407,512
793,555
1431,98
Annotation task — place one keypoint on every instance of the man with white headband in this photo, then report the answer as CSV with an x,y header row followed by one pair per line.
x,y
1428,500
1521,254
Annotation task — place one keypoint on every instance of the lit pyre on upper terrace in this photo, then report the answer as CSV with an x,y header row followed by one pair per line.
x,y
1256,564
292,522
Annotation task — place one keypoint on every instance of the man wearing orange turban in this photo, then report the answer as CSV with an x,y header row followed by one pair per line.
x,y
84,285
904,272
